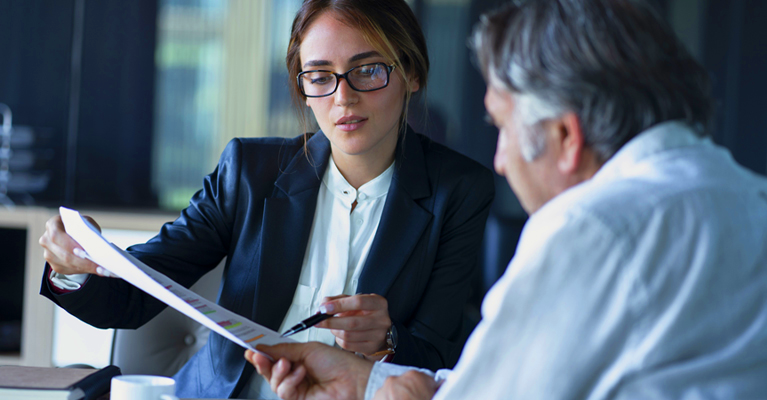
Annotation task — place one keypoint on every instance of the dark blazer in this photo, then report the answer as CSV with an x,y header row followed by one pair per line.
x,y
257,209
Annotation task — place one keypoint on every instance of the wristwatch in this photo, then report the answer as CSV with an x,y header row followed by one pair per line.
x,y
391,346
391,339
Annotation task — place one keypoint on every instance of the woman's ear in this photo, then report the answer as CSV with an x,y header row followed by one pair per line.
x,y
415,84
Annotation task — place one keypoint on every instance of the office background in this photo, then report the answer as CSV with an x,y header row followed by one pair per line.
x,y
126,105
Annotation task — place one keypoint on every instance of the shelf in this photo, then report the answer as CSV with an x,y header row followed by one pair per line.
x,y
37,325
37,312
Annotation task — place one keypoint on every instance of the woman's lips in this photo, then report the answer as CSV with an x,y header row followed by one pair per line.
x,y
351,124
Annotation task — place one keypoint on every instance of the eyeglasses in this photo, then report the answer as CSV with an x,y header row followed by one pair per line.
x,y
363,78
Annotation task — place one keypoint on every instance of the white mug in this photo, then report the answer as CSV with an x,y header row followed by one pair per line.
x,y
142,387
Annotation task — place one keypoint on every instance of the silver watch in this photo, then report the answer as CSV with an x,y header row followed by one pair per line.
x,y
391,338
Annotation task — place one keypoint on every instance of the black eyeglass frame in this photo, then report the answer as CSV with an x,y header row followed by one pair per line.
x,y
388,68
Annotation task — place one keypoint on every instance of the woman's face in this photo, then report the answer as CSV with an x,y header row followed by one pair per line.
x,y
361,126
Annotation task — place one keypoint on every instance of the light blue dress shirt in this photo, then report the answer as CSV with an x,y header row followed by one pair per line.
x,y
648,281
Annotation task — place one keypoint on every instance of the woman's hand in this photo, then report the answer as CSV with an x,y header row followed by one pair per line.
x,y
60,248
360,323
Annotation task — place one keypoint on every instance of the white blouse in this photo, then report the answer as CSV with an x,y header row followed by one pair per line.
x,y
338,246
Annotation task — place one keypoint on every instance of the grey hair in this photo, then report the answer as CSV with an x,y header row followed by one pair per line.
x,y
529,113
615,63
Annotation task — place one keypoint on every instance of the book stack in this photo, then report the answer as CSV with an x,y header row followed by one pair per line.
x,y
27,383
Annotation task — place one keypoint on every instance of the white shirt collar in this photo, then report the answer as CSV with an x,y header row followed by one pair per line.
x,y
339,187
661,137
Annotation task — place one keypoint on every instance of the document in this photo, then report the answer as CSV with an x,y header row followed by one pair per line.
x,y
234,327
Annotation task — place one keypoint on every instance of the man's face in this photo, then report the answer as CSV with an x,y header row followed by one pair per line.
x,y
533,182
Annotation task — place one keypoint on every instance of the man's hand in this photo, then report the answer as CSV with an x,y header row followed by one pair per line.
x,y
360,323
312,371
411,385
60,248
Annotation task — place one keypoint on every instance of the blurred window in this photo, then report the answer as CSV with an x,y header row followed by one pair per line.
x,y
220,74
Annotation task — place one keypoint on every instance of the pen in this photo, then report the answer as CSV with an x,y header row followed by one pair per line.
x,y
306,324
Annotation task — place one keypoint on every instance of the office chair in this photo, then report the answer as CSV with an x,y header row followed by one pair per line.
x,y
164,344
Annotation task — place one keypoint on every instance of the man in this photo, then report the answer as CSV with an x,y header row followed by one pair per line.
x,y
641,272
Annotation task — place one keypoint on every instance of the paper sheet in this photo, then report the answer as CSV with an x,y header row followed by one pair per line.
x,y
234,327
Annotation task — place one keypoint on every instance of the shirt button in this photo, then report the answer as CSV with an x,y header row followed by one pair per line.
x,y
363,196
359,222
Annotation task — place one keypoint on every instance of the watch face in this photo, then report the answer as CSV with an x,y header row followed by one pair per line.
x,y
392,334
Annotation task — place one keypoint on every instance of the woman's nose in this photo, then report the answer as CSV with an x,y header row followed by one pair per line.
x,y
345,95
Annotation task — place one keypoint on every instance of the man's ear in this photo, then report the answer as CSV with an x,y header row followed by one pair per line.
x,y
571,141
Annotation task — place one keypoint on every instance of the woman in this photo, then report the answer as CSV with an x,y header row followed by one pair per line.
x,y
364,219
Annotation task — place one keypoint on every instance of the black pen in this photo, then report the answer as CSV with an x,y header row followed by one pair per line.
x,y
306,324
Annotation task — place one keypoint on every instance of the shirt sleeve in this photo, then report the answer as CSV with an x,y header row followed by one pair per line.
x,y
381,371
557,318
67,282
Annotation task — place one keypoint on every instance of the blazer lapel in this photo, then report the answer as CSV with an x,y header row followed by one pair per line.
x,y
403,220
287,223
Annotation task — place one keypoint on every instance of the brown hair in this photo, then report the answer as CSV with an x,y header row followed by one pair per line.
x,y
389,26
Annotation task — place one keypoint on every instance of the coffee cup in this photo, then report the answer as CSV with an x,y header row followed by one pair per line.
x,y
142,387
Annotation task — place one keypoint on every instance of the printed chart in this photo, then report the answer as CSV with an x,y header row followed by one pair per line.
x,y
234,327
